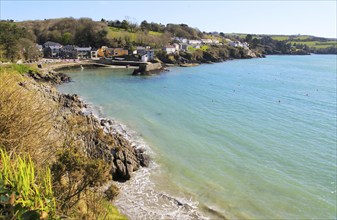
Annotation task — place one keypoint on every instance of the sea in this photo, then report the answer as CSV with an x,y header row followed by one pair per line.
x,y
242,139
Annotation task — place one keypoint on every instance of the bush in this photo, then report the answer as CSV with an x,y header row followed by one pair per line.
x,y
26,118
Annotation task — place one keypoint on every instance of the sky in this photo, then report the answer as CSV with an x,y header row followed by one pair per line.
x,y
316,18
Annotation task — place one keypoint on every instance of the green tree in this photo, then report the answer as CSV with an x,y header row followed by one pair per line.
x,y
9,38
67,38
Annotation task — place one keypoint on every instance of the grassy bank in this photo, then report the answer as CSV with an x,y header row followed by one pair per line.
x,y
46,172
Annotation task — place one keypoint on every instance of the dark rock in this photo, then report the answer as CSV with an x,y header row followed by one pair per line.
x,y
143,159
121,169
103,122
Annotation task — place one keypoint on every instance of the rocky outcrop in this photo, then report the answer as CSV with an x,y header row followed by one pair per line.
x,y
49,76
114,149
97,137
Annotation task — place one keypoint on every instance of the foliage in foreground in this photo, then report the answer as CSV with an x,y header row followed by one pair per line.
x,y
34,138
25,192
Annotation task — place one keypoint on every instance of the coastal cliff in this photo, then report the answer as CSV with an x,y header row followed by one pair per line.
x,y
123,157
86,154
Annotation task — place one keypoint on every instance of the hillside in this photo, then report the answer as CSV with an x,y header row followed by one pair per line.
x,y
18,39
315,44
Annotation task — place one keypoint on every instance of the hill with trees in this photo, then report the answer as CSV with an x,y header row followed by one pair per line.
x,y
289,44
17,39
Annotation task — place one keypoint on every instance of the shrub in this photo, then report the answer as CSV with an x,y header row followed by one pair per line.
x,y
26,118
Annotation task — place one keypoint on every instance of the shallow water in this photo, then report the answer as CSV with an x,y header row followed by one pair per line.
x,y
247,138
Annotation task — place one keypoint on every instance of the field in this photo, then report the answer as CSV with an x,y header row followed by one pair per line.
x,y
122,33
316,44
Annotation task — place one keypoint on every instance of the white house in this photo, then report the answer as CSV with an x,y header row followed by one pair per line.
x,y
181,40
235,44
206,41
144,58
94,54
215,41
176,46
170,49
194,42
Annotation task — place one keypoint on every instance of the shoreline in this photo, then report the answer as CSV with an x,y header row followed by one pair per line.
x,y
140,188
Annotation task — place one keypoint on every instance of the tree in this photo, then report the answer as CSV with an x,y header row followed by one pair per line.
x,y
144,25
125,24
9,39
248,38
28,50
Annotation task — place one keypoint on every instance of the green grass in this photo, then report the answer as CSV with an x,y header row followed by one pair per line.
x,y
20,68
301,37
280,37
155,33
31,188
117,33
316,44
289,37
122,33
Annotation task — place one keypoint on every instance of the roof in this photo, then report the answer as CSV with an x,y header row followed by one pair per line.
x,y
69,47
83,48
50,43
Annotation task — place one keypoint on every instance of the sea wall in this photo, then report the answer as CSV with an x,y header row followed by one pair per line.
x,y
148,68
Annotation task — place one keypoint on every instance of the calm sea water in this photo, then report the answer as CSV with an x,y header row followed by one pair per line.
x,y
248,138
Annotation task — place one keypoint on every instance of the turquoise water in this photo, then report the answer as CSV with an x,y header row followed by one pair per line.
x,y
249,138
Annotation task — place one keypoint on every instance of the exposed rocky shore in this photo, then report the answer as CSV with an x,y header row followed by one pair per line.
x,y
123,156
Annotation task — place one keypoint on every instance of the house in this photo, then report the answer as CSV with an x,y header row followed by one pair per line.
x,y
50,43
120,52
206,41
181,40
214,41
94,54
170,49
245,45
183,47
144,58
108,52
68,52
176,46
194,42
150,54
235,44
51,49
141,51
83,52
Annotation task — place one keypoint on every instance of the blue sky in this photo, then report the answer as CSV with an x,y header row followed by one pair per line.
x,y
260,17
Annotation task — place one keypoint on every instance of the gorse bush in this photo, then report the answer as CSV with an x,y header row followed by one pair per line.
x,y
25,192
26,117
